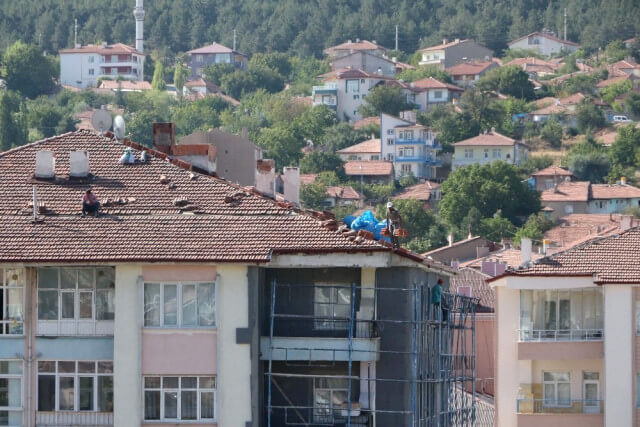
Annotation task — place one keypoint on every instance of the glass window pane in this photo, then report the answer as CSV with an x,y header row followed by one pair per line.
x,y
67,367
170,305
14,311
86,393
106,278
86,305
46,366
151,405
564,310
46,392
10,367
85,278
47,278
48,305
189,382
151,304
171,404
105,304
86,367
4,392
207,405
152,382
10,393
15,277
66,394
105,367
68,305
189,405
189,305
549,392
206,304
68,278
564,393
207,382
170,382
591,375
105,393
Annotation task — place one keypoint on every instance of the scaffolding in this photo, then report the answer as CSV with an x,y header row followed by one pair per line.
x,y
433,384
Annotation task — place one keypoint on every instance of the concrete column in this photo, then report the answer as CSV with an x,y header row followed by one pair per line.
x,y
234,360
618,355
507,365
127,378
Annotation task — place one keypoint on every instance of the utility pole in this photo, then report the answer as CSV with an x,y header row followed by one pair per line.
x,y
234,39
396,37
75,33
565,23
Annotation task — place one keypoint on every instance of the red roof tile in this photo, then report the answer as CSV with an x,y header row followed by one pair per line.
x,y
576,228
443,45
347,193
509,256
370,146
490,138
431,83
480,289
368,168
308,178
575,191
548,36
469,68
614,191
111,49
612,81
125,85
212,48
357,45
420,191
551,171
366,122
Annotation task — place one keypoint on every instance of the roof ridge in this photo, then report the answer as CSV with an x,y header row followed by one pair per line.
x,y
31,144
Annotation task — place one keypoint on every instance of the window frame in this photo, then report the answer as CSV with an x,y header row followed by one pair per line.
x,y
76,375
320,418
4,301
468,153
180,305
198,389
331,324
555,384
20,377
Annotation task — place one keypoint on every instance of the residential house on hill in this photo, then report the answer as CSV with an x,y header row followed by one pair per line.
x,y
466,74
451,53
343,196
373,171
427,192
544,43
367,121
199,88
489,147
573,359
626,66
464,250
430,92
547,178
215,53
535,67
365,61
82,66
366,150
350,47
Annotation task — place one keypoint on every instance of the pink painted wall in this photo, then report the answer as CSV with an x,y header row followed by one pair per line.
x,y
179,353
560,350
485,352
561,420
179,273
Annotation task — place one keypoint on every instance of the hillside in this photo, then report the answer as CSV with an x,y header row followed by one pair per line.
x,y
305,27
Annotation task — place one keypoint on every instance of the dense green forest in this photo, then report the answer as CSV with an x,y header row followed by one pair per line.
x,y
305,27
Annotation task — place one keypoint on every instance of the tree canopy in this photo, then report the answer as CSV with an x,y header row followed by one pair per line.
x,y
27,71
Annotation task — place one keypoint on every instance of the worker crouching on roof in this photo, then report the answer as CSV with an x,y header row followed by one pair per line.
x,y
90,203
394,222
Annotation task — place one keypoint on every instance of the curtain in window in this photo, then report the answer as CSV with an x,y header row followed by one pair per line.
x,y
189,405
207,404
152,405
151,304
189,308
105,394
206,304
170,305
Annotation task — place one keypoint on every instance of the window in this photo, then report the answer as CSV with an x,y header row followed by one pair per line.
x,y
12,282
91,59
75,386
548,184
91,71
179,398
437,94
11,392
332,306
329,395
76,293
568,209
356,96
375,157
199,58
353,157
114,71
390,131
468,153
405,169
486,153
179,305
557,388
352,86
497,153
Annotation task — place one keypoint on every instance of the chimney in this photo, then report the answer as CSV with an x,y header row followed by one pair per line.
x,y
450,239
457,40
545,245
455,264
394,59
291,179
525,250
104,44
266,176
625,222
374,42
79,164
444,41
623,180
349,41
357,40
45,164
164,135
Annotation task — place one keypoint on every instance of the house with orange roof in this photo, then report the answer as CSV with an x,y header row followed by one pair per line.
x,y
430,92
427,192
374,171
488,147
215,53
627,66
545,43
466,74
366,150
350,47
343,196
547,178
535,67
450,53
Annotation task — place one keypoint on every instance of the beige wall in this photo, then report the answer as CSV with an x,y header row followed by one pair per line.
x,y
507,364
478,155
561,350
560,420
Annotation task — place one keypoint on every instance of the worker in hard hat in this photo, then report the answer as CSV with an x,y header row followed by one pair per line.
x,y
394,222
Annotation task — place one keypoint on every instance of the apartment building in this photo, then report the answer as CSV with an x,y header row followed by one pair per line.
x,y
545,43
412,148
450,53
169,307
566,330
488,147
82,66
215,53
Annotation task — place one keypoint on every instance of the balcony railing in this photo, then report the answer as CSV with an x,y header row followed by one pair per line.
x,y
561,335
328,87
569,406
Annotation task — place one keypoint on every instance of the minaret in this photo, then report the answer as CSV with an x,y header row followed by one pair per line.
x,y
138,12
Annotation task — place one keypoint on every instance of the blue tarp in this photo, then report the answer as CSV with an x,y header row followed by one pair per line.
x,y
367,221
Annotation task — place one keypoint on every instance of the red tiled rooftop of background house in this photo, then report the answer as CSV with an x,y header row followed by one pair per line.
x,y
530,60
370,146
612,259
143,223
614,191
366,122
469,68
346,192
612,81
125,85
111,49
576,98
576,228
200,82
509,256
575,191
487,139
553,109
552,171
431,83
357,45
368,168
443,45
308,178
421,191
477,281
625,65
212,48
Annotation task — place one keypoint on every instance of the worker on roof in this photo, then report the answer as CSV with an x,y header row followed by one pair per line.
x,y
394,222
90,203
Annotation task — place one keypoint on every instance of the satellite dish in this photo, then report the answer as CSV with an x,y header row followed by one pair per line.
x,y
118,127
101,120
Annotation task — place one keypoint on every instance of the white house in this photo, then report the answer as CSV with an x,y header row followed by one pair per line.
x,y
81,66
488,147
544,43
448,53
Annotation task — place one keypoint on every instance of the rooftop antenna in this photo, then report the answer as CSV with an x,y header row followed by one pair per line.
x,y
119,128
234,39
101,121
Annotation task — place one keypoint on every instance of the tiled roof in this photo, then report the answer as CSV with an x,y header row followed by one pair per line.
x,y
477,281
614,191
612,81
431,83
357,45
370,146
552,170
307,178
576,228
469,68
421,191
548,36
212,48
474,240
189,217
576,98
111,49
366,122
368,168
521,62
353,73
552,109
509,256
612,259
200,82
625,65
443,45
575,191
125,85
491,138
347,193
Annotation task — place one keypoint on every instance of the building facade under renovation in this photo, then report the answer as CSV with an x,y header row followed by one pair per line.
x,y
187,299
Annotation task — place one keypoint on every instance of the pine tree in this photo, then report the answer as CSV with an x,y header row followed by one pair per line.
x,y
158,82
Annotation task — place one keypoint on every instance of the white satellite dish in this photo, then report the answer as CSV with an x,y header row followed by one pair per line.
x,y
118,127
101,120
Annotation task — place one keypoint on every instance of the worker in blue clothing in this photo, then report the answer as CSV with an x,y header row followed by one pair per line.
x,y
436,299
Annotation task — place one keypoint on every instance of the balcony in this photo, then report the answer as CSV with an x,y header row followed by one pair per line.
x,y
544,406
74,418
417,141
556,335
329,88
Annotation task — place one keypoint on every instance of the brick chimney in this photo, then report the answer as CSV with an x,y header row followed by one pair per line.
x,y
291,178
266,177
164,136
